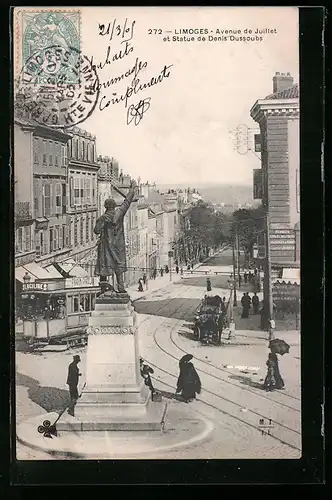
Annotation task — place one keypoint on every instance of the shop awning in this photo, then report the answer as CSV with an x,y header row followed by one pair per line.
x,y
37,271
34,272
74,270
290,275
53,272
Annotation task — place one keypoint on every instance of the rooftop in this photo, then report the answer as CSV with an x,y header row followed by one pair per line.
x,y
290,93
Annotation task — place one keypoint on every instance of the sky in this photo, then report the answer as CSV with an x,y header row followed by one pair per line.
x,y
185,136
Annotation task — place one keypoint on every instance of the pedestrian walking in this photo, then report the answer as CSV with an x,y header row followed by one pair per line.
x,y
181,271
240,280
245,276
188,383
145,373
192,265
245,306
154,274
161,272
140,285
188,267
72,382
177,269
144,279
250,277
273,378
166,269
255,303
208,285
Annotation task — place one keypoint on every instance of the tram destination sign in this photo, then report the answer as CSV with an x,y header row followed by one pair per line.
x,y
35,286
82,282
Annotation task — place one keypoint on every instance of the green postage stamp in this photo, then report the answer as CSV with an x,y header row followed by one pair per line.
x,y
36,30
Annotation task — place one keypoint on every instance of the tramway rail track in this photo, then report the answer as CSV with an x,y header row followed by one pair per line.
x,y
292,434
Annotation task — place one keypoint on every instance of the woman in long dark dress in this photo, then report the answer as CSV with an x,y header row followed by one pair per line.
x,y
280,384
189,383
273,379
270,381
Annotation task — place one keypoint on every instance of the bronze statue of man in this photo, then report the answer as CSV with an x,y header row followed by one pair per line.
x,y
111,254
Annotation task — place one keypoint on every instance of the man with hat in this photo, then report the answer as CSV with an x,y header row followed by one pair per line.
x,y
111,254
72,382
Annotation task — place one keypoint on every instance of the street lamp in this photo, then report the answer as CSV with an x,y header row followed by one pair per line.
x,y
231,286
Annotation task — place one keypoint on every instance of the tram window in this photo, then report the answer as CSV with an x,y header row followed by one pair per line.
x,y
76,305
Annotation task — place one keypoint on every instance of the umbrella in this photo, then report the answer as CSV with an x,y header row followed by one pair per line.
x,y
279,346
185,358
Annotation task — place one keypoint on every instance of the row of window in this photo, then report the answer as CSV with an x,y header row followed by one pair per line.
x,y
83,190
53,153
82,302
132,219
49,198
82,149
81,229
56,237
23,240
49,152
132,244
52,239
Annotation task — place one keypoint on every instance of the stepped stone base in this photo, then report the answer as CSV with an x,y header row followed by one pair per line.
x,y
125,418
115,397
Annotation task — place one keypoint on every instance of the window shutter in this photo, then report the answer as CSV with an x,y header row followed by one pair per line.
x,y
58,198
71,192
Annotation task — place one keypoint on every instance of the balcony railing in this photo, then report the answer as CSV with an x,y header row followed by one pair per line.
x,y
23,211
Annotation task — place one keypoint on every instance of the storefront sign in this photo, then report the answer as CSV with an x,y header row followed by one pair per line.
x,y
286,292
35,286
282,240
82,282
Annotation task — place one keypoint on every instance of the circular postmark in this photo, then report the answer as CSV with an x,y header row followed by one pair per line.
x,y
57,87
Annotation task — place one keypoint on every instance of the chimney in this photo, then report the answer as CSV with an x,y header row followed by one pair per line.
x,y
282,81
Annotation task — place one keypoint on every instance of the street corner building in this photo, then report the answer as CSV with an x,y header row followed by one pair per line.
x,y
277,184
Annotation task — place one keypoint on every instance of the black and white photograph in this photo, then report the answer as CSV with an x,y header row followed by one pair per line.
x,y
156,170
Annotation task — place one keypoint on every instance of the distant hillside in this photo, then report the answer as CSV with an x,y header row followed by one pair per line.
x,y
219,193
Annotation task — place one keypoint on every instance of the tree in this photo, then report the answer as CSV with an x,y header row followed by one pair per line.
x,y
203,230
248,223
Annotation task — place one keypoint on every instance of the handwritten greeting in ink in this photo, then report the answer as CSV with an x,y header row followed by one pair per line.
x,y
125,86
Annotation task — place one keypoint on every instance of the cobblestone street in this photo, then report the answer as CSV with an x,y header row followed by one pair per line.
x,y
231,374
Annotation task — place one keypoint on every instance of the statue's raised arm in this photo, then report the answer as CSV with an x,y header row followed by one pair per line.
x,y
122,210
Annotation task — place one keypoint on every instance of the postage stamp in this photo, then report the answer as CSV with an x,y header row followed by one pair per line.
x,y
35,30
46,89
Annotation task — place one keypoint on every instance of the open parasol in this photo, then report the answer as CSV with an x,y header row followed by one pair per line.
x,y
279,346
185,358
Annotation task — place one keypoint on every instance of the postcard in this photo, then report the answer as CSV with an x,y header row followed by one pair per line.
x,y
157,233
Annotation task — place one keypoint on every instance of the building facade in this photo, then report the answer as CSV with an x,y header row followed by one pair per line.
x,y
278,119
278,183
50,163
82,194
108,173
25,248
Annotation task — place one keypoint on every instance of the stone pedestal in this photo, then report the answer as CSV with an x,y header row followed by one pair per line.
x,y
115,396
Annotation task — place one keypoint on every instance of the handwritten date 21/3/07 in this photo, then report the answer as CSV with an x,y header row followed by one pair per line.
x,y
124,30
